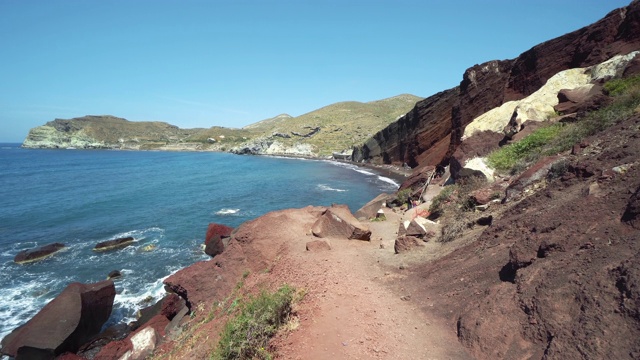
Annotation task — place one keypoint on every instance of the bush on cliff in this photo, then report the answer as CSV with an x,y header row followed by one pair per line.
x,y
246,335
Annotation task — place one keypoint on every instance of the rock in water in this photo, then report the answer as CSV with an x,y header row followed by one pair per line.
x,y
38,253
114,274
114,244
64,324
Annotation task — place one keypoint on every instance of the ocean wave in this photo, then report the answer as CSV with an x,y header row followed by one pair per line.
x,y
388,181
366,172
227,212
324,187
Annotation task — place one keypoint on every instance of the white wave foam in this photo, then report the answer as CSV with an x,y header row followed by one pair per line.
x,y
388,180
366,172
227,211
324,187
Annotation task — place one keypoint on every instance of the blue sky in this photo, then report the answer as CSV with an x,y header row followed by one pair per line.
x,y
232,63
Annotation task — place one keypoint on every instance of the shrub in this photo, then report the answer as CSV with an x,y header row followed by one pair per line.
x,y
617,87
438,201
508,156
403,196
246,335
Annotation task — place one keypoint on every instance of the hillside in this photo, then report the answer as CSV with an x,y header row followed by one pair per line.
x,y
333,128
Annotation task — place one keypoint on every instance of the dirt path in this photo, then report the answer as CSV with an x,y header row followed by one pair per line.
x,y
350,310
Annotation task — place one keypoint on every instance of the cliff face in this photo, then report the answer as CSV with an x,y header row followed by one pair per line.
x,y
491,84
415,136
486,86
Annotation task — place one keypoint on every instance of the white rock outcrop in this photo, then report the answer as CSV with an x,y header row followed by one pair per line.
x,y
539,105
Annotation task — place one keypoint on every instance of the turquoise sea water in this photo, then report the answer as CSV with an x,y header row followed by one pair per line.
x,y
167,199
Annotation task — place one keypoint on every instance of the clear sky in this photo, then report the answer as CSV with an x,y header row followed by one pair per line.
x,y
235,62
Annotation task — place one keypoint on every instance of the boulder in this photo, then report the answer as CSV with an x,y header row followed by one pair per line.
x,y
143,343
114,274
38,253
483,196
214,244
571,100
337,221
217,231
416,230
172,305
406,243
114,244
214,247
67,322
318,245
370,209
114,350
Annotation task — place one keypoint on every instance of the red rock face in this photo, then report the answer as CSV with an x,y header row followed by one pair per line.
x,y
493,83
65,323
418,132
418,138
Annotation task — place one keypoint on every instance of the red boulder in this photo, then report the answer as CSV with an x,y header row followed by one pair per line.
x,y
214,245
66,323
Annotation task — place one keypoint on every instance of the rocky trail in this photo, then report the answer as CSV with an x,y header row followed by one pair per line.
x,y
350,312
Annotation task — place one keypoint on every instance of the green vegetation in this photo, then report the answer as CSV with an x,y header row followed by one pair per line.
x,y
438,201
403,196
528,148
342,125
617,87
246,335
557,138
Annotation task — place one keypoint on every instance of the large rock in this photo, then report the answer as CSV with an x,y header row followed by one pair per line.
x,y
66,323
143,343
114,244
406,243
217,231
38,253
318,245
370,209
337,221
214,243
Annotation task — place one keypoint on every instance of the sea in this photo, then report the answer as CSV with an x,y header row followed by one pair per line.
x,y
162,199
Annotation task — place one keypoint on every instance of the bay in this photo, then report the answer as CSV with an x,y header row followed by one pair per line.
x,y
163,199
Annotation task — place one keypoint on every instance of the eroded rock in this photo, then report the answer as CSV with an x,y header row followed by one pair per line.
x,y
114,244
318,245
337,221
39,253
66,323
407,243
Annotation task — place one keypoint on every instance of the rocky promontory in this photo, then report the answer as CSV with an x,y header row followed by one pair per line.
x,y
332,129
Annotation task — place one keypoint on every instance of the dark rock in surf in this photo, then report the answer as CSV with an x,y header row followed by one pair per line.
x,y
114,274
114,244
38,253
